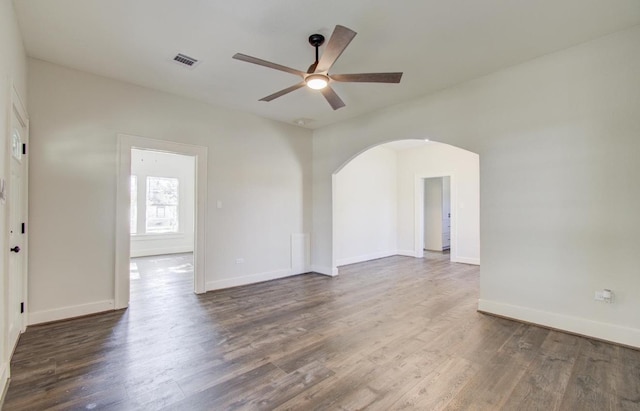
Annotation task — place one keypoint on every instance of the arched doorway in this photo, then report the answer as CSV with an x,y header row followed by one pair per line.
x,y
378,202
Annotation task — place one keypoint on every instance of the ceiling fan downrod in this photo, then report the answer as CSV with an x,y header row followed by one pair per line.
x,y
316,40
313,80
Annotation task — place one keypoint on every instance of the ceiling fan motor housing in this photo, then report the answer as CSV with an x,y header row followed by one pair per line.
x,y
316,40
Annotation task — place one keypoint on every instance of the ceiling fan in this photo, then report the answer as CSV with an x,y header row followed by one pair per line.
x,y
317,77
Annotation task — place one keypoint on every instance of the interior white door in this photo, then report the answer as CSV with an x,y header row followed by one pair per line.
x,y
446,213
433,214
16,212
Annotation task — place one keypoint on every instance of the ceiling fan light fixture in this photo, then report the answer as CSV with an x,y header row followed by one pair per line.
x,y
317,81
316,77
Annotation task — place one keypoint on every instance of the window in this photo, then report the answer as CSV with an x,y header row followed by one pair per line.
x,y
133,214
157,212
162,205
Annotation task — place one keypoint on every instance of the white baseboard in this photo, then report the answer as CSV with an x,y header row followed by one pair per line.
x,y
602,331
250,279
466,260
331,272
365,257
299,271
406,253
63,313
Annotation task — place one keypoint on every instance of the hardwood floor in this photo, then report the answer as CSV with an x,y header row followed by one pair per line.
x,y
391,334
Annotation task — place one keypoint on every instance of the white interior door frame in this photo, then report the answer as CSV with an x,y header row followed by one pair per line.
x,y
418,220
123,205
19,113
16,102
334,227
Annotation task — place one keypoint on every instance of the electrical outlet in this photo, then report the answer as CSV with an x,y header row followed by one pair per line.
x,y
605,295
239,260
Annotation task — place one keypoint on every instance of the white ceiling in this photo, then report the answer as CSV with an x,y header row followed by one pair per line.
x,y
436,43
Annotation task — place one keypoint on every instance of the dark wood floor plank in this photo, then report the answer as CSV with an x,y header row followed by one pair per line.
x,y
438,387
591,385
390,334
546,379
327,394
282,389
232,393
490,387
626,380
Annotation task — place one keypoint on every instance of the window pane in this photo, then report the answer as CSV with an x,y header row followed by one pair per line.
x,y
133,213
162,205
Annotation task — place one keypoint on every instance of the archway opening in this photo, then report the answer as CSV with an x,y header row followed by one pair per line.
x,y
379,202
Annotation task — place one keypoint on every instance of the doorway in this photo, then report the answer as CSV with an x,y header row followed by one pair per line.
x,y
162,187
160,212
378,202
437,214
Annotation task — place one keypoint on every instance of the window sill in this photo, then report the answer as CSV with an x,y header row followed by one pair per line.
x,y
151,237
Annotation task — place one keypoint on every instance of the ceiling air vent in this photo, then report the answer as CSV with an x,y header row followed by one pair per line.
x,y
185,60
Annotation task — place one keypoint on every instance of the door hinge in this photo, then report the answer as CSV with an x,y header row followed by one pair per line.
x,y
23,229
21,308
24,149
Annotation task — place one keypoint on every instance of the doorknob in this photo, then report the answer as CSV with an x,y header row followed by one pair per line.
x,y
15,249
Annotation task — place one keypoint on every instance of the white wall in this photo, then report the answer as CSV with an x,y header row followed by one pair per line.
x,y
559,141
13,74
259,169
366,207
433,160
147,163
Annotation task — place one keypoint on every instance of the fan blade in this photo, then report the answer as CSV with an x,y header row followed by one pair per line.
x,y
340,39
368,77
334,100
312,68
265,63
282,92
